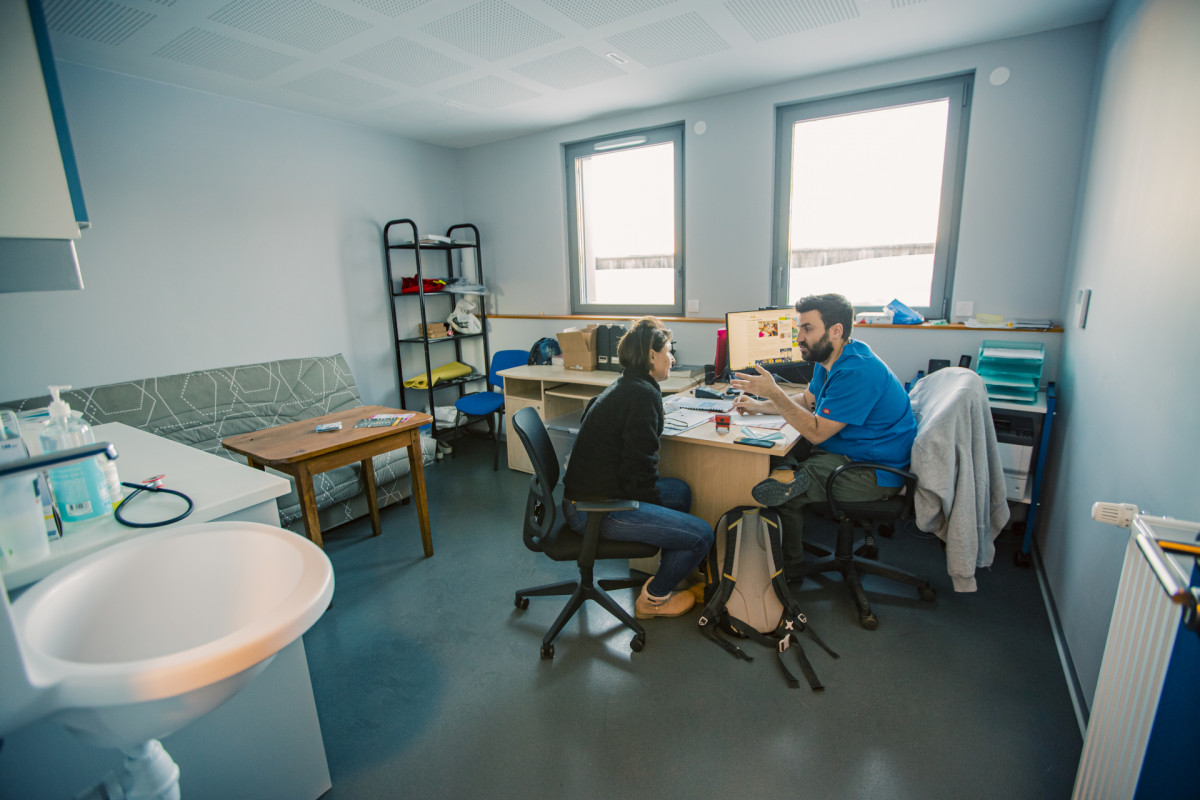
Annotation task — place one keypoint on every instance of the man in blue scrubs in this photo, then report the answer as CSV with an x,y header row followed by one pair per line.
x,y
855,409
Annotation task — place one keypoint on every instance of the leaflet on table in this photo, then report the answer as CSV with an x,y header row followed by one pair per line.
x,y
383,420
681,419
773,421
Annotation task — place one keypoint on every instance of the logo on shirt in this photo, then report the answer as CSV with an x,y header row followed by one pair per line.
x,y
825,411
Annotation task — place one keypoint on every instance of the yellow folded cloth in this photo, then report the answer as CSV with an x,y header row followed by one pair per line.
x,y
445,372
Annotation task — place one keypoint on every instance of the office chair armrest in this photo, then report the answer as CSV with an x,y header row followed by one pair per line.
x,y
910,481
595,515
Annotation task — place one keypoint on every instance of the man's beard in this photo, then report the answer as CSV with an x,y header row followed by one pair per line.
x,y
819,352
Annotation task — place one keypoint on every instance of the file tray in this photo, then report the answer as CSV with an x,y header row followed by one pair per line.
x,y
1011,371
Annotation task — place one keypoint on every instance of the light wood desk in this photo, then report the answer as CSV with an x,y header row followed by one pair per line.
x,y
720,473
554,391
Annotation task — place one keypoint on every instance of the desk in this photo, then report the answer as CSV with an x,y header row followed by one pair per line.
x,y
555,391
720,472
297,449
1024,455
220,490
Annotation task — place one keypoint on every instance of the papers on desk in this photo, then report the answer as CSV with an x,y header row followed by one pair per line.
x,y
773,421
681,419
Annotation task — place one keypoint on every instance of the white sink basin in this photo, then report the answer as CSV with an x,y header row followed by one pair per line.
x,y
135,641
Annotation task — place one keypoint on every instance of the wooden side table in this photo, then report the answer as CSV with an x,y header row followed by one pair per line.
x,y
297,449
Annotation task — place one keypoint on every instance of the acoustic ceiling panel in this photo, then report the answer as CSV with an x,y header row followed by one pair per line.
x,y
300,23
391,8
594,13
407,62
488,92
329,84
425,111
767,19
492,30
669,40
96,21
903,3
208,50
570,68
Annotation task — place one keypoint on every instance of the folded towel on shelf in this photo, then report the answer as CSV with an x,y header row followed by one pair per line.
x,y
452,370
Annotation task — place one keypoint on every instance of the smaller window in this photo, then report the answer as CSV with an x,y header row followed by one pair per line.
x,y
625,222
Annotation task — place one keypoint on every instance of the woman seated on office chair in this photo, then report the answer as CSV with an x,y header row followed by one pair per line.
x,y
616,457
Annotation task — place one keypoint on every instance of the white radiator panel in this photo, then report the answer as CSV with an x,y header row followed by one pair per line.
x,y
1140,639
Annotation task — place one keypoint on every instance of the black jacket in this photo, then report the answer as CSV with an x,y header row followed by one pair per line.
x,y
615,456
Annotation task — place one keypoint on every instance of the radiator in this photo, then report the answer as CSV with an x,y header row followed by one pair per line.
x,y
1142,640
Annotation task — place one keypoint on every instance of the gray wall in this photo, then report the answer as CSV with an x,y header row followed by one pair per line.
x,y
1022,174
224,233
1129,429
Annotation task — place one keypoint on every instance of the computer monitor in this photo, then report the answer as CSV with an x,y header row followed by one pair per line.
x,y
766,337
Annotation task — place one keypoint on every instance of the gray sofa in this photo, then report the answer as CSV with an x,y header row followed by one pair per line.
x,y
201,408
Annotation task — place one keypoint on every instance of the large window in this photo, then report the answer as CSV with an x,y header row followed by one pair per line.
x,y
868,194
625,222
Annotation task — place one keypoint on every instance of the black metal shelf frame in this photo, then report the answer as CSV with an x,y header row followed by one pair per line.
x,y
396,228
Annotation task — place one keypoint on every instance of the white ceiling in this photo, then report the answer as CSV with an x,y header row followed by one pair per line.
x,y
465,72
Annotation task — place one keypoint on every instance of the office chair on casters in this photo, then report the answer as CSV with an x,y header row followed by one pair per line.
x,y
479,406
881,515
545,531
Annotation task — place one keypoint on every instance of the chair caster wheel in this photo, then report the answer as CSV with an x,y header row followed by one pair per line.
x,y
522,602
637,643
927,594
547,652
869,622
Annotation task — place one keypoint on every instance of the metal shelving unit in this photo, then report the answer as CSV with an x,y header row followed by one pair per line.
x,y
402,236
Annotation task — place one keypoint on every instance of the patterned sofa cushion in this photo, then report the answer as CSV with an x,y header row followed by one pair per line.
x,y
201,408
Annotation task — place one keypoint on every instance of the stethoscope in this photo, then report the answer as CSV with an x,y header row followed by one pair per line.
x,y
152,484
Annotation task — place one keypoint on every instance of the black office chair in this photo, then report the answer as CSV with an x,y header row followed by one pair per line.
x,y
545,531
878,516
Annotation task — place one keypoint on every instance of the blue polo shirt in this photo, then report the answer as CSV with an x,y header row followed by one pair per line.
x,y
864,394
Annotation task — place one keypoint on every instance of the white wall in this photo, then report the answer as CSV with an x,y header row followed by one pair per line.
x,y
1022,174
224,233
1129,430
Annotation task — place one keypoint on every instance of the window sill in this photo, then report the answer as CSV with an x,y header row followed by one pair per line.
x,y
927,326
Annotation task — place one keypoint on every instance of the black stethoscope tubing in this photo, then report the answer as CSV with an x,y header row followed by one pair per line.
x,y
138,488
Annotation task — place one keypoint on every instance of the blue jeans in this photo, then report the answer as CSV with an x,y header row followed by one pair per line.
x,y
683,539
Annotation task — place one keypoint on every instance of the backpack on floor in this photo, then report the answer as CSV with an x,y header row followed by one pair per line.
x,y
747,595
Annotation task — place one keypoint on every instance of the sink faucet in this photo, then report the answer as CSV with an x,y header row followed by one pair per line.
x,y
58,458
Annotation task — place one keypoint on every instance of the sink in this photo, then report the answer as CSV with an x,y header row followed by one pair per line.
x,y
136,641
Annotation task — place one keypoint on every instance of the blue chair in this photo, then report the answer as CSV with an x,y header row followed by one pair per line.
x,y
479,406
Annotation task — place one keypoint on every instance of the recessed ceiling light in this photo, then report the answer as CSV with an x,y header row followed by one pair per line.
x,y
616,58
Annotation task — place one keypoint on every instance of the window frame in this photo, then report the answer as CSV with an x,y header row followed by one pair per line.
x,y
958,88
659,134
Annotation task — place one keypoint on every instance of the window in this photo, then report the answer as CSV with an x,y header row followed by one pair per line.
x,y
868,193
625,222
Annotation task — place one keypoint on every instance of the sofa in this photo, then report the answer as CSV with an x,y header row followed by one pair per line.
x,y
203,407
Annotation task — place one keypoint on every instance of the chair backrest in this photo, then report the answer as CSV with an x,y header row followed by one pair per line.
x,y
502,360
541,512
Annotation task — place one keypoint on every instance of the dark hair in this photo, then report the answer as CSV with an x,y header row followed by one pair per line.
x,y
633,350
833,308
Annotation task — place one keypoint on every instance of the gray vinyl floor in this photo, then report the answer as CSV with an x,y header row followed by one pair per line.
x,y
429,684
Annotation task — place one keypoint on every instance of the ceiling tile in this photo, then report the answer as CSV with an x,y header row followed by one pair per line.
x,y
669,40
570,68
594,13
208,50
767,19
488,92
407,62
492,30
300,23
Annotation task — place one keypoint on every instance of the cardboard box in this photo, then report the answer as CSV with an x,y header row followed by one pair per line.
x,y
579,348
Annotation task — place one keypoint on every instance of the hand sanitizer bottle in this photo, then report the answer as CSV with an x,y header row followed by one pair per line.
x,y
80,489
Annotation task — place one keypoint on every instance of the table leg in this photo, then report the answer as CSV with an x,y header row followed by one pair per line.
x,y
416,472
368,472
308,505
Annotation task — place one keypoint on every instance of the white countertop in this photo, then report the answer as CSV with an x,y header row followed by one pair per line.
x,y
218,487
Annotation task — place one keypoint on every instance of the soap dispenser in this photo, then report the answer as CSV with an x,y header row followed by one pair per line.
x,y
80,489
